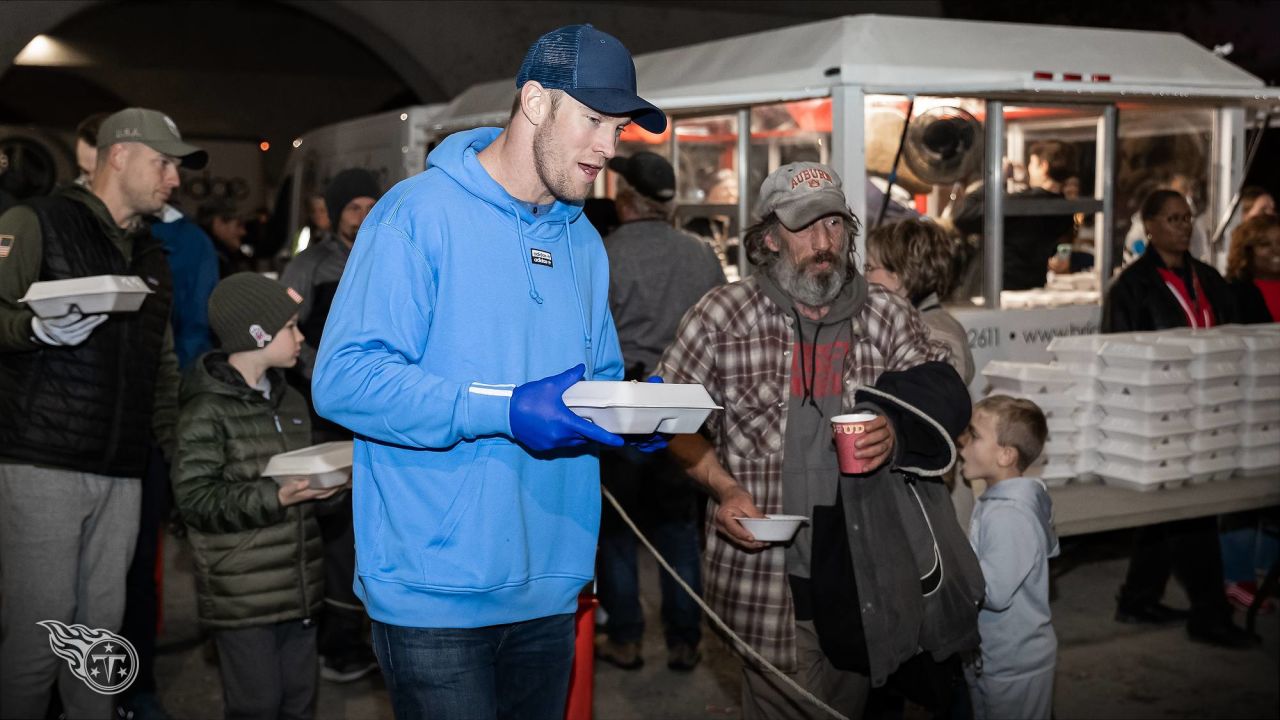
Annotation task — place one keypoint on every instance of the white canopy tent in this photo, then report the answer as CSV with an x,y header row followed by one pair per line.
x,y
890,54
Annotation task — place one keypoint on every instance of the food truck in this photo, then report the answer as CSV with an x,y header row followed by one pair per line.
x,y
948,108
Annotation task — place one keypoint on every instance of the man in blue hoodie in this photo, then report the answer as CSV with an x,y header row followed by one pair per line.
x,y
475,295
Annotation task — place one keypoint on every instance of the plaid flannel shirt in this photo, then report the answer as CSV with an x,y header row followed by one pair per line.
x,y
737,343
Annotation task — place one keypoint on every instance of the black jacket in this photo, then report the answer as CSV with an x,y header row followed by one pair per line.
x,y
918,583
1139,300
89,407
1251,307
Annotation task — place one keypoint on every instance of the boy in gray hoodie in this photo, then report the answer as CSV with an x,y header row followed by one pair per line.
x,y
1012,534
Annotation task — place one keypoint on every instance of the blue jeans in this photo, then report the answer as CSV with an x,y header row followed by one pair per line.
x,y
520,670
661,499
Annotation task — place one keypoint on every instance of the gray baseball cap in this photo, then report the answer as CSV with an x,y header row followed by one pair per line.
x,y
800,193
153,129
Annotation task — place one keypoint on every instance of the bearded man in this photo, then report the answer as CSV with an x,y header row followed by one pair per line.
x,y
840,608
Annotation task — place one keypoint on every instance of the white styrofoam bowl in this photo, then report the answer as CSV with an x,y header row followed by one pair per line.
x,y
773,528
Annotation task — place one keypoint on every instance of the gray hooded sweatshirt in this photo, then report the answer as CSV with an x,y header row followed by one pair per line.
x,y
1012,534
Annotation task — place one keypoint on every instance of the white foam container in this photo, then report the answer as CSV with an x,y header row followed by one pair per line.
x,y
1216,439
1145,450
1060,445
1048,403
1029,380
1077,350
1131,422
1259,460
1262,345
1260,435
1217,391
1208,417
634,408
1138,400
1155,376
1057,474
1259,412
1142,476
1144,354
91,295
1261,387
1060,424
1213,466
1088,439
326,465
773,528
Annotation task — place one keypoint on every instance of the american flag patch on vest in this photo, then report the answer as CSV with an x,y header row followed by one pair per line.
x,y
6,244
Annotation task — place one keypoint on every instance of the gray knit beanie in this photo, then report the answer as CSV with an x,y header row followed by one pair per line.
x,y
246,310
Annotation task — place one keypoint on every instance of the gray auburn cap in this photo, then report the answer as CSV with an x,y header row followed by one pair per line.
x,y
800,193
153,129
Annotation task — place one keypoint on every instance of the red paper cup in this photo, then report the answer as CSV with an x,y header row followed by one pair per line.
x,y
847,429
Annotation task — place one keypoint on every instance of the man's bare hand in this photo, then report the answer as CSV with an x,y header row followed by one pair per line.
x,y
737,503
299,490
875,444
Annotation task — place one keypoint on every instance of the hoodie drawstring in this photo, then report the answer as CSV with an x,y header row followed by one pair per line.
x,y
534,295
582,309
524,257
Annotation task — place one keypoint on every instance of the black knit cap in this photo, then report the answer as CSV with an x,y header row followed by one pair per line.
x,y
246,310
346,186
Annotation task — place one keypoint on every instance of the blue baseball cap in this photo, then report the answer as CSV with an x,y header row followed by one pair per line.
x,y
594,69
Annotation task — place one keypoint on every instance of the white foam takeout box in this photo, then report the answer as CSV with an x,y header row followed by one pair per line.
x,y
91,295
326,465
633,408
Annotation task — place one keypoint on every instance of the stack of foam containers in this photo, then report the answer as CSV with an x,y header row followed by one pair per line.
x,y
1145,401
1260,409
1215,368
1054,389
1078,355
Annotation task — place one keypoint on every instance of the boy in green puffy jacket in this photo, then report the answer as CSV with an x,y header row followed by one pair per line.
x,y
257,546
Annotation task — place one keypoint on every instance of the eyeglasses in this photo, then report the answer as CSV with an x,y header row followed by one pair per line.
x,y
1176,219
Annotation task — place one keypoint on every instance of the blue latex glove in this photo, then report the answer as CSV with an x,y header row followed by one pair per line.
x,y
649,443
541,421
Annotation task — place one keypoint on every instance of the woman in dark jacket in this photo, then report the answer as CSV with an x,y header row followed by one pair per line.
x,y
1167,288
1253,269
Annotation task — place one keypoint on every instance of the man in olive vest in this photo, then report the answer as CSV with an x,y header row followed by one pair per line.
x,y
82,399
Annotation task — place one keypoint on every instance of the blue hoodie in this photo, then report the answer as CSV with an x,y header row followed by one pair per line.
x,y
1012,534
456,292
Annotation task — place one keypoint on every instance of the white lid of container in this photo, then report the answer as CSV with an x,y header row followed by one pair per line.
x,y
1078,343
1142,472
1147,425
1255,340
1143,377
1145,449
1127,399
1027,371
1213,461
313,460
1203,343
93,285
614,393
1214,439
1152,352
1208,417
